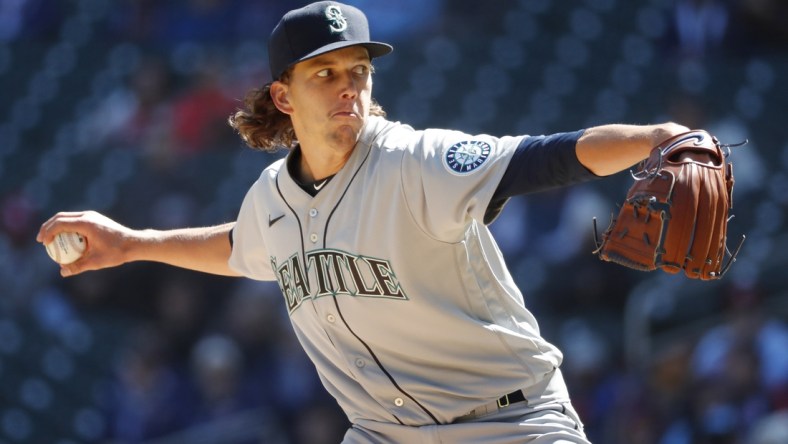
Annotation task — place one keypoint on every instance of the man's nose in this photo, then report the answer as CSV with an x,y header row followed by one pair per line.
x,y
350,86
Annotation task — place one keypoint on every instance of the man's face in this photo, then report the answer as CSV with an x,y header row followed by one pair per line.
x,y
328,97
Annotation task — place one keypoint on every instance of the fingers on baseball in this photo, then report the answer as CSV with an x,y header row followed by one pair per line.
x,y
87,262
61,222
73,268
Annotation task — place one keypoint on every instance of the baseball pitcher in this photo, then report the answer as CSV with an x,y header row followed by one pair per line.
x,y
377,235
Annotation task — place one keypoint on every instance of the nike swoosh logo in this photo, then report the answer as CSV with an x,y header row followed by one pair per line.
x,y
274,220
322,184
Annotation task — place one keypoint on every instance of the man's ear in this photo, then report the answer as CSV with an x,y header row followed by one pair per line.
x,y
279,95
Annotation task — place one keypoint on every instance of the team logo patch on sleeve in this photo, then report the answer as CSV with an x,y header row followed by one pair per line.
x,y
465,157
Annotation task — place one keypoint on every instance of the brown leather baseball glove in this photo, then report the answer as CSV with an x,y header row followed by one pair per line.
x,y
676,213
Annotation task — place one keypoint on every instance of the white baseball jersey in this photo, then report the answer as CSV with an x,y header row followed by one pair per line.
x,y
394,286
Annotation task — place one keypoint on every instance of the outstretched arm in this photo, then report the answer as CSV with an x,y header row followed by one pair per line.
x,y
544,162
608,149
110,244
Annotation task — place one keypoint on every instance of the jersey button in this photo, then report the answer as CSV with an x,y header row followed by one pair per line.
x,y
331,318
399,402
313,237
360,362
313,212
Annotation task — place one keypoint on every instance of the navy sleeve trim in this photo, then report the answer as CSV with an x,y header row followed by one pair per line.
x,y
540,163
543,162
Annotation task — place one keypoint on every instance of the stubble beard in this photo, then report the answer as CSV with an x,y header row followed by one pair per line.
x,y
345,137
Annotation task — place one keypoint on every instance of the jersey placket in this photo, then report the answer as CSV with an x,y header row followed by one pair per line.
x,y
361,362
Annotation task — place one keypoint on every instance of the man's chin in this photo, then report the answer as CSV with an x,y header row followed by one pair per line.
x,y
347,134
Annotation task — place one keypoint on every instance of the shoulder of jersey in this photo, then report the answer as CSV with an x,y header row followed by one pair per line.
x,y
384,133
270,172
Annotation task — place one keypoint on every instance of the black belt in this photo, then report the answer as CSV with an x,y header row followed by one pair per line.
x,y
512,398
500,403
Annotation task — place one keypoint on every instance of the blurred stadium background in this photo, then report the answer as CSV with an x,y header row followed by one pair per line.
x,y
120,106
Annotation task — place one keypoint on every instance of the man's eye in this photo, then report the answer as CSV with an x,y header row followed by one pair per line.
x,y
324,73
361,69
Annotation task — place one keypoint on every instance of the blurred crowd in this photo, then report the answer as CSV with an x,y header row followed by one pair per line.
x,y
146,353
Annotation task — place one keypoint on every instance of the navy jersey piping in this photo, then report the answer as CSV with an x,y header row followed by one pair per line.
x,y
341,316
300,229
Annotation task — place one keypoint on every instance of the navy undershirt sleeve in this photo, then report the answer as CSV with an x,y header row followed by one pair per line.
x,y
540,163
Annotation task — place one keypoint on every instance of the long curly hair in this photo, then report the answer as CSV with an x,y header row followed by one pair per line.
x,y
263,127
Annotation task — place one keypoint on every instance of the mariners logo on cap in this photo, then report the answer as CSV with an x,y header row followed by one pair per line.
x,y
465,157
336,21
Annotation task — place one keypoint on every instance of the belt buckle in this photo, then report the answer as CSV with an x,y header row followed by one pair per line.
x,y
504,398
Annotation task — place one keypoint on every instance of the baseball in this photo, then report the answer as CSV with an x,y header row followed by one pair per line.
x,y
66,248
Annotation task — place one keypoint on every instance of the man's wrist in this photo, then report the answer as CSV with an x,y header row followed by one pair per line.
x,y
665,131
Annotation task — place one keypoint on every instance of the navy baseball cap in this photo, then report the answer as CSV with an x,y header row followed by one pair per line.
x,y
316,29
